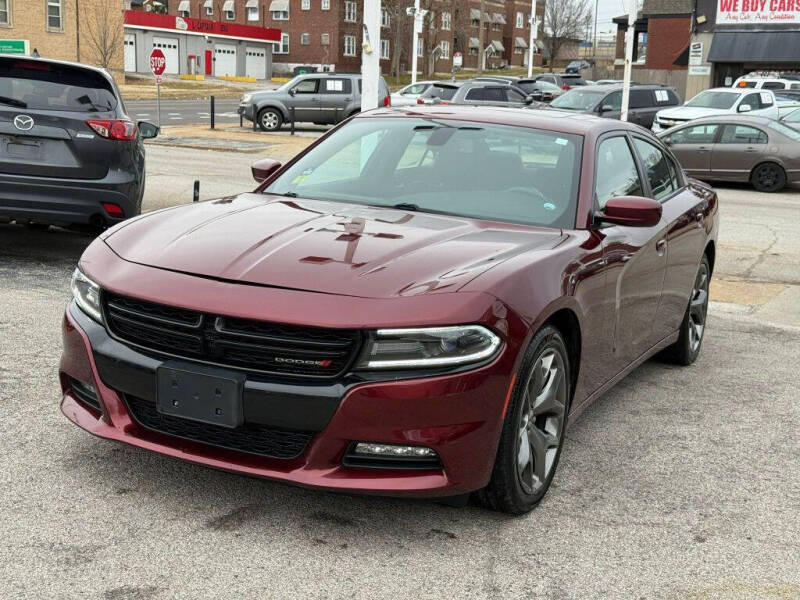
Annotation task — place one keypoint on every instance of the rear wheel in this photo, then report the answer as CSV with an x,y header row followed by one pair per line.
x,y
270,119
533,431
686,350
768,177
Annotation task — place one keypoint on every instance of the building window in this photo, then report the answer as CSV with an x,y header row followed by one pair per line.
x,y
54,14
280,15
305,5
350,42
326,5
283,47
183,13
350,12
385,49
5,12
325,39
230,15
252,13
445,46
305,39
476,22
528,21
520,20
209,10
447,21
385,21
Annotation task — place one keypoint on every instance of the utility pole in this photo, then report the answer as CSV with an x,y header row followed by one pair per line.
x,y
534,23
629,37
418,15
594,40
371,54
482,40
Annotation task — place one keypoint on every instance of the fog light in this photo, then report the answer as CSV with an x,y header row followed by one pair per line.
x,y
369,449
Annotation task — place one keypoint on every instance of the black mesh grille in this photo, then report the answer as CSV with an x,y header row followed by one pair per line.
x,y
250,437
254,346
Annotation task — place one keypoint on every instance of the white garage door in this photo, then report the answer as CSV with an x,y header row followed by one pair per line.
x,y
256,63
169,46
225,60
130,53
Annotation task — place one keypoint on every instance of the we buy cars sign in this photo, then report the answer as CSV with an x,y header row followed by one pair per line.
x,y
737,12
158,62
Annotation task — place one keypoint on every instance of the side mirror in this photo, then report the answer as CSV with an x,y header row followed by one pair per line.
x,y
147,130
605,108
264,169
292,92
529,99
631,211
745,108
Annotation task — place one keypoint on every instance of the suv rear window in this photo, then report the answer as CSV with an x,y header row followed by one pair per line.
x,y
47,86
573,80
442,92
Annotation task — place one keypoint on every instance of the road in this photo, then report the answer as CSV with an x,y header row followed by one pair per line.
x,y
184,112
678,484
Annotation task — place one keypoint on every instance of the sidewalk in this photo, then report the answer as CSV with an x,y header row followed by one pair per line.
x,y
232,138
142,87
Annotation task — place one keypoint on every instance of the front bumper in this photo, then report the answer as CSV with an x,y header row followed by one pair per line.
x,y
248,111
458,415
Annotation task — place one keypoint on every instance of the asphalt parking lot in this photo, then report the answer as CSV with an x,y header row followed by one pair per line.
x,y
681,483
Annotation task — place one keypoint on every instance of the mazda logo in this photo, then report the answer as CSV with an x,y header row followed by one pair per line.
x,y
23,122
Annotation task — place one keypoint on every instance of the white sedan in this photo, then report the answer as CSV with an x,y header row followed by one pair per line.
x,y
409,94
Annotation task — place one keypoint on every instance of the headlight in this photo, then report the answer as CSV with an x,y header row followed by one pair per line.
x,y
247,98
86,294
428,347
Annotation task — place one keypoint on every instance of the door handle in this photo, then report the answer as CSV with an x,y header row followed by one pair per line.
x,y
751,150
661,246
703,149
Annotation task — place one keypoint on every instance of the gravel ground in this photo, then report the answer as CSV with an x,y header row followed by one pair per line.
x,y
680,483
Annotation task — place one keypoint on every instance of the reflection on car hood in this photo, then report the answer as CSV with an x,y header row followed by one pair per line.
x,y
690,113
327,247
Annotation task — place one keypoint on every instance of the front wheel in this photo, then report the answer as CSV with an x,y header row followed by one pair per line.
x,y
270,119
768,177
533,430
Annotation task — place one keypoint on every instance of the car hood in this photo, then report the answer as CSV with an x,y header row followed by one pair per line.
x,y
690,113
327,247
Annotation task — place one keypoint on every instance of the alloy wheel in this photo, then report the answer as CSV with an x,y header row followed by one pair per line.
x,y
269,120
767,176
698,308
540,426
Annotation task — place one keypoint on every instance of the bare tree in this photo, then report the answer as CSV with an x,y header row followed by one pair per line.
x,y
564,20
103,33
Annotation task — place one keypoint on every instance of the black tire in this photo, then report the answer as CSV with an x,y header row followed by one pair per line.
x,y
768,177
270,119
513,488
686,350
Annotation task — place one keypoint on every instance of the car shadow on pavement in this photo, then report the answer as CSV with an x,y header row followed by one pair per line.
x,y
22,248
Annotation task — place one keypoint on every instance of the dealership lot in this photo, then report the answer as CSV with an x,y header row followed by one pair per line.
x,y
680,483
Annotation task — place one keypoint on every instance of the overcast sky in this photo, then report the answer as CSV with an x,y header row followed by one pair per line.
x,y
608,10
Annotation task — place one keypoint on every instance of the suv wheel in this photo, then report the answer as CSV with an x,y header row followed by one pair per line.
x,y
270,119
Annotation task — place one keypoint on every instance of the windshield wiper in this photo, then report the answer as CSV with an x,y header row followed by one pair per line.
x,y
288,195
406,206
13,102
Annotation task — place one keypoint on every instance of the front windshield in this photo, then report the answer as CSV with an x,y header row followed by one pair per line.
x,y
577,100
485,171
719,100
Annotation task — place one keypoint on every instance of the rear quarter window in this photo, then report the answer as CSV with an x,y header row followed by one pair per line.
x,y
46,86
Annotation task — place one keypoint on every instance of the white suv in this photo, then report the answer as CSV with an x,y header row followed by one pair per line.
x,y
767,83
719,101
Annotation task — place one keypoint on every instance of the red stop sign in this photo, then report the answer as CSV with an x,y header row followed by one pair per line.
x,y
158,62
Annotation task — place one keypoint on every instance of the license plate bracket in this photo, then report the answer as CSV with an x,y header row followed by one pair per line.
x,y
199,393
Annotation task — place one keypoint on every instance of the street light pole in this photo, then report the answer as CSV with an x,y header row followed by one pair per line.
x,y
371,55
534,27
594,40
626,81
416,29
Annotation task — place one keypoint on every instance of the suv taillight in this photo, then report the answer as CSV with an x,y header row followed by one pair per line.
x,y
565,88
387,101
113,129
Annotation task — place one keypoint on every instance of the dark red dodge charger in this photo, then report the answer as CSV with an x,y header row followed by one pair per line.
x,y
414,306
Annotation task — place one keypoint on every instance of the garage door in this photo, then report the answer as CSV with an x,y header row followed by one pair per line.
x,y
224,60
256,65
130,53
169,46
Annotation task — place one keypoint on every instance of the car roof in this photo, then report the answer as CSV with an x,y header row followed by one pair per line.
x,y
53,61
549,120
731,90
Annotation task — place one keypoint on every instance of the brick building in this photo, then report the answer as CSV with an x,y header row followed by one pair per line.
x,y
327,34
56,29
667,27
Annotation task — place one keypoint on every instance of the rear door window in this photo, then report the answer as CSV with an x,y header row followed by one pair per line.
x,y
641,99
443,92
617,174
477,94
742,134
45,86
774,85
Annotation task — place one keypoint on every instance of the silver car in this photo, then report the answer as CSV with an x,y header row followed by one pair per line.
x,y
320,98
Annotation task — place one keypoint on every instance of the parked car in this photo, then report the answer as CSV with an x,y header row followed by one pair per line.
x,y
792,119
69,152
415,305
719,101
565,81
542,91
767,83
497,78
409,94
487,93
441,90
742,148
576,66
320,98
606,101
